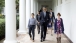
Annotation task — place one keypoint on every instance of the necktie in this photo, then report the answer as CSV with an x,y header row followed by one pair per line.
x,y
44,14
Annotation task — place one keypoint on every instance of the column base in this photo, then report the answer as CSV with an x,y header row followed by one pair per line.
x,y
22,32
10,41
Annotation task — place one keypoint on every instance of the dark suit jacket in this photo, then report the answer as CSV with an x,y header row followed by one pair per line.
x,y
38,18
44,19
55,26
53,16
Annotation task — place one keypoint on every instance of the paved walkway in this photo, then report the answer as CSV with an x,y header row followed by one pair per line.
x,y
49,38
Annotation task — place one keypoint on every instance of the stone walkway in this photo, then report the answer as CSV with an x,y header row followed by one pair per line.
x,y
1,41
49,38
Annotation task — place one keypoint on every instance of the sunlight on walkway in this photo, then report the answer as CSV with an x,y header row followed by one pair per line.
x,y
49,38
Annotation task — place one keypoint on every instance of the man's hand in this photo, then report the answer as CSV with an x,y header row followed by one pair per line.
x,y
38,22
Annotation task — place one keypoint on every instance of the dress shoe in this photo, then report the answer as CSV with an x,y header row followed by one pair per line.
x,y
33,40
41,40
30,38
38,32
51,34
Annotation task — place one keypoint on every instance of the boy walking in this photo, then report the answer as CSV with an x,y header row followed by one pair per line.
x,y
32,25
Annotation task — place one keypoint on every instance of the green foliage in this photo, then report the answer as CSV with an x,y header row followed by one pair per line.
x,y
17,2
17,5
2,29
2,26
2,4
2,16
17,22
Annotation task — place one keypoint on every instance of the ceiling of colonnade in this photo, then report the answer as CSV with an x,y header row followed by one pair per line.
x,y
44,0
46,3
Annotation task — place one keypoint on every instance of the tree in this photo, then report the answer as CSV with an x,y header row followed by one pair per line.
x,y
17,4
2,4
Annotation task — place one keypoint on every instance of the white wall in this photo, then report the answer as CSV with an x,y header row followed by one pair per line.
x,y
73,14
68,13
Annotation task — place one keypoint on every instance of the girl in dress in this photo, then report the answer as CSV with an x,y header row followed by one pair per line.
x,y
38,22
50,24
59,27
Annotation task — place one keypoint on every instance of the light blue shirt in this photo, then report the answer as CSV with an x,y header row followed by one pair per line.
x,y
44,14
50,12
32,21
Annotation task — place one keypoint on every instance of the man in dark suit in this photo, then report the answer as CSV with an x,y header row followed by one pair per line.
x,y
48,21
53,16
44,17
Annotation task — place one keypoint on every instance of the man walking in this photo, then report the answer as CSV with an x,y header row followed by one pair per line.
x,y
44,17
53,16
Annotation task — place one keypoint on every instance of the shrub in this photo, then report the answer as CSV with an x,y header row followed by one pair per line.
x,y
17,24
2,16
2,30
2,27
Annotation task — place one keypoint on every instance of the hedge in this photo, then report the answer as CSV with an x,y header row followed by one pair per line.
x,y
2,30
2,16
2,27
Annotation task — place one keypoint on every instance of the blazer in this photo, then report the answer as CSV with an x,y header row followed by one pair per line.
x,y
53,16
55,26
44,19
38,18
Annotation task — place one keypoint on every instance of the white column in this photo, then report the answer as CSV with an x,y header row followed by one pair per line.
x,y
28,11
10,21
59,2
32,6
35,7
22,14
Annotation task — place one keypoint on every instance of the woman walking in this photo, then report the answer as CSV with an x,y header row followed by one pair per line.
x,y
59,27
50,24
38,22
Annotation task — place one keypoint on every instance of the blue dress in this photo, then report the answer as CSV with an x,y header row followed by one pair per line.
x,y
50,23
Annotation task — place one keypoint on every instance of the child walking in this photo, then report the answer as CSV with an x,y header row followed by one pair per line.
x,y
32,25
50,24
59,27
